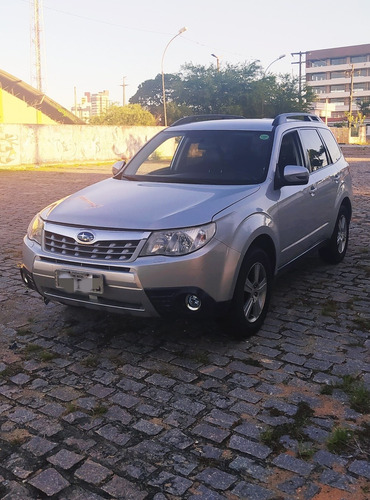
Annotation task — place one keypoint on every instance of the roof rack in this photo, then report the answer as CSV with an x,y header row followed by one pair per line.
x,y
201,118
286,117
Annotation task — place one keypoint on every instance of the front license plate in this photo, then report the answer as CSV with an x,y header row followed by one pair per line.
x,y
73,281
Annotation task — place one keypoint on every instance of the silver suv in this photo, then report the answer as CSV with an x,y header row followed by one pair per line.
x,y
198,222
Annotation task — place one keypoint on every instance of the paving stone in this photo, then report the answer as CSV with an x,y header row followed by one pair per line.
x,y
65,459
250,447
49,481
188,406
112,433
248,429
39,446
210,432
216,478
253,491
119,487
20,379
18,465
125,400
293,464
337,480
172,484
176,438
327,459
92,473
148,427
204,493
128,385
65,394
21,416
220,418
246,465
361,468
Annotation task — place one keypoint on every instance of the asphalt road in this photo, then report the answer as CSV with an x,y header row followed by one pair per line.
x,y
94,406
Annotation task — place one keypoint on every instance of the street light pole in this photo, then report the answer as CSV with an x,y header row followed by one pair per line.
x,y
274,61
163,86
218,61
264,74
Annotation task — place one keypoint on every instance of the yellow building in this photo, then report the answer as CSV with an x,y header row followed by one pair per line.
x,y
21,103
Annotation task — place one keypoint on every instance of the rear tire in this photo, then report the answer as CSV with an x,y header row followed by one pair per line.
x,y
335,251
252,294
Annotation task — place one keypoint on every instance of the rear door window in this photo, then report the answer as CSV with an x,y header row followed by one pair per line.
x,y
314,149
331,144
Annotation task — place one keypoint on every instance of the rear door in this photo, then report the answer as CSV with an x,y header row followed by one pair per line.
x,y
303,211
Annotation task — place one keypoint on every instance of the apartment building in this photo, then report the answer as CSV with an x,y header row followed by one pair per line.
x,y
340,78
91,105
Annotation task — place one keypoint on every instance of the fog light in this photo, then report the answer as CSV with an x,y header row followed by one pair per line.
x,y
193,302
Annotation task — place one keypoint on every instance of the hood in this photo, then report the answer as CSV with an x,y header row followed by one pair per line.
x,y
121,204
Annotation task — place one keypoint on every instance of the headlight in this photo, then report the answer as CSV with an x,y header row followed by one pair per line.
x,y
176,242
35,229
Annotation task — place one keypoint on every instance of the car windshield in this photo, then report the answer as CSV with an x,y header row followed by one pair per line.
x,y
203,157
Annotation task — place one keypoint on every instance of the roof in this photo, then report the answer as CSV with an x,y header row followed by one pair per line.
x,y
37,99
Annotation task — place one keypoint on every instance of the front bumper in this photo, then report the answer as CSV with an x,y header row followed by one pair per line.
x,y
147,287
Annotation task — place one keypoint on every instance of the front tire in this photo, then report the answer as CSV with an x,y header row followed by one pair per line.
x,y
252,294
335,251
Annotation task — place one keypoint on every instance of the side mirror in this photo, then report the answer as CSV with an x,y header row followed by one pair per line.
x,y
293,175
118,167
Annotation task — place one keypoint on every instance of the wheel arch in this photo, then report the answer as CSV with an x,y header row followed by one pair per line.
x,y
265,242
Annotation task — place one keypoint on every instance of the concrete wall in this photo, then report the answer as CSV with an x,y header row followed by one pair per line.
x,y
341,134
69,144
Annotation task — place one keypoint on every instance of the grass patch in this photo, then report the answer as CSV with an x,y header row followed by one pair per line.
x,y
339,440
22,332
271,437
99,411
362,323
34,351
90,362
329,308
359,395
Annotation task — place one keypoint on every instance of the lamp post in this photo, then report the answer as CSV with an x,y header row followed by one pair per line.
x,y
264,74
274,61
218,61
163,87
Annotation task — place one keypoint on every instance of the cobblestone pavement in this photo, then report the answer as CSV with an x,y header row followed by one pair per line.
x,y
95,406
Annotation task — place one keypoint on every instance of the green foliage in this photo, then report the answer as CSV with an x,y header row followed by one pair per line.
x,y
132,114
241,89
339,440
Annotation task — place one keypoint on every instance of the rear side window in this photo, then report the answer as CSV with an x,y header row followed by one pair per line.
x,y
331,144
314,149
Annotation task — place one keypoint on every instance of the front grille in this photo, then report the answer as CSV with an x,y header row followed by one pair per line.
x,y
116,250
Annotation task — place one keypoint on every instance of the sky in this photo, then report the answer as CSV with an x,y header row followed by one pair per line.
x,y
91,45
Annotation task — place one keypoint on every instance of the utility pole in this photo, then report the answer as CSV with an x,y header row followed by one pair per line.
x,y
36,29
123,85
300,62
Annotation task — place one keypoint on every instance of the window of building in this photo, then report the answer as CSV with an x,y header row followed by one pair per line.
x,y
338,88
338,74
358,59
338,60
318,76
338,101
319,63
360,72
319,90
360,86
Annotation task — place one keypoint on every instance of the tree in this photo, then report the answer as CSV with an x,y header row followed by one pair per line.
x,y
241,89
132,114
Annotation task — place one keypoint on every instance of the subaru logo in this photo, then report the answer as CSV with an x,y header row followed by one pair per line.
x,y
85,237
